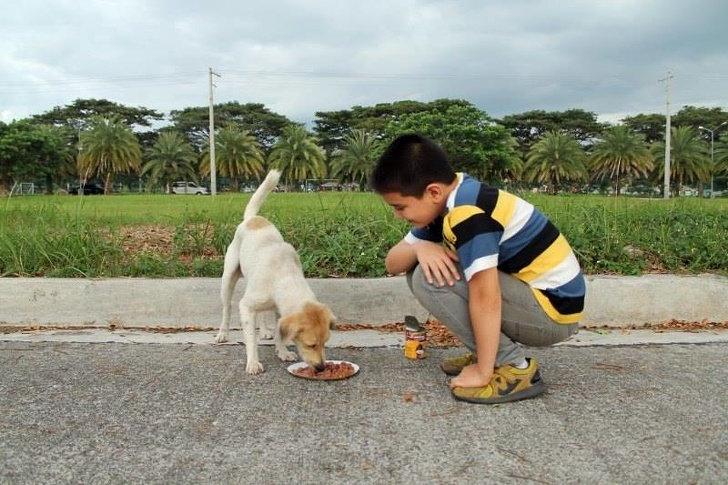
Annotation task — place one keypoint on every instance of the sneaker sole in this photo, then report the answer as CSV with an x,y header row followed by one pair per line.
x,y
532,391
450,372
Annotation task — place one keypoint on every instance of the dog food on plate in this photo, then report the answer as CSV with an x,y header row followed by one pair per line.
x,y
333,370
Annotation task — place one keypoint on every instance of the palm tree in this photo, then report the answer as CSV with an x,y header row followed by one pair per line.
x,y
357,157
556,157
108,147
721,157
621,153
171,158
297,155
689,158
237,155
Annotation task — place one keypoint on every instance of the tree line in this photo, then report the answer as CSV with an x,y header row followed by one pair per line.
x,y
99,139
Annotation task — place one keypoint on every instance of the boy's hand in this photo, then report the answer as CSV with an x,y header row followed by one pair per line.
x,y
471,376
437,263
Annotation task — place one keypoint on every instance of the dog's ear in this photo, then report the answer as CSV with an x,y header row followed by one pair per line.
x,y
332,321
289,326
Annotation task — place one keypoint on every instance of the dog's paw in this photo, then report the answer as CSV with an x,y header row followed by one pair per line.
x,y
221,337
287,356
254,368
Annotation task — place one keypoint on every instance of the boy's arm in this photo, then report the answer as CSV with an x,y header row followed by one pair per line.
x,y
436,261
485,316
401,258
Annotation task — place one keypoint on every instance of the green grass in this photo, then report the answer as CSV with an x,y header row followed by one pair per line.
x,y
336,234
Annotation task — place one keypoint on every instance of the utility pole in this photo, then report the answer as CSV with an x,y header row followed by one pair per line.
x,y
666,189
213,169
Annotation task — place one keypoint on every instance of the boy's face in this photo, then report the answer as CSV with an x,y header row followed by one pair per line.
x,y
418,211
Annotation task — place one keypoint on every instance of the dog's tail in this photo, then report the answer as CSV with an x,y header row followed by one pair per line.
x,y
265,188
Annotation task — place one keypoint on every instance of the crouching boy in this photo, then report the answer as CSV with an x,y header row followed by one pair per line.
x,y
485,263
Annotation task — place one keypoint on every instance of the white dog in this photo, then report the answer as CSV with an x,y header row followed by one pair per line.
x,y
274,281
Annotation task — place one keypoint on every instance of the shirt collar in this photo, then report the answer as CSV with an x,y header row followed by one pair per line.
x,y
451,197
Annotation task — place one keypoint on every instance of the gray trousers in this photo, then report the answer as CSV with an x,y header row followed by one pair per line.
x,y
522,318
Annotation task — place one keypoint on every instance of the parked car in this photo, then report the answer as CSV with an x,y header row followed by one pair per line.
x,y
87,189
189,188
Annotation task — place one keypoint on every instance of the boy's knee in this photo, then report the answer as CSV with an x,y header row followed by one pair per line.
x,y
417,283
414,277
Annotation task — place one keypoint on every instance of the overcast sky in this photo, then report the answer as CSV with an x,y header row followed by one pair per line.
x,y
299,57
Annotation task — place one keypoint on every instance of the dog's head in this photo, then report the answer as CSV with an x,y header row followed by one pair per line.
x,y
309,329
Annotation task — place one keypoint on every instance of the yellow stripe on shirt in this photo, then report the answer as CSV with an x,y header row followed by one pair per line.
x,y
455,217
549,259
505,206
552,312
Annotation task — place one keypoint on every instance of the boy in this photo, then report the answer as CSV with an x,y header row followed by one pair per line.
x,y
485,263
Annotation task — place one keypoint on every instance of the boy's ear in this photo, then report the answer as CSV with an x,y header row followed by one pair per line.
x,y
435,191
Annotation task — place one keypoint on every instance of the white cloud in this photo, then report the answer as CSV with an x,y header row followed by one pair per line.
x,y
299,57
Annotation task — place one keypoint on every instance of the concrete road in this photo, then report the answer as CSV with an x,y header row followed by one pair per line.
x,y
90,413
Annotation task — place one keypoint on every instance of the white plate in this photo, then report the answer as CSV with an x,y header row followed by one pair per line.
x,y
302,365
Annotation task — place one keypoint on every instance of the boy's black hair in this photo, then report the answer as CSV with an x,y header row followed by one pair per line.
x,y
409,164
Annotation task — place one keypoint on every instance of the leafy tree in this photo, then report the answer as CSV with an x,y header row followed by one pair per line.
x,y
171,158
331,127
531,126
80,114
651,126
620,153
471,139
356,160
29,152
237,155
297,155
555,158
689,158
695,116
108,147
77,116
264,124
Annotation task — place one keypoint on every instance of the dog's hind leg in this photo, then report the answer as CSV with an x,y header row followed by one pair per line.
x,y
250,337
230,276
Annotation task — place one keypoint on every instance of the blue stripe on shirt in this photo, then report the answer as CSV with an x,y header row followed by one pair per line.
x,y
518,241
482,245
574,288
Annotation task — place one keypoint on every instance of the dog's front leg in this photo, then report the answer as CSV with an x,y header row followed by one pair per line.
x,y
250,337
266,323
281,350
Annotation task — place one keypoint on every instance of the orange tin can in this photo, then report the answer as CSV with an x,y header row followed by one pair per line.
x,y
415,338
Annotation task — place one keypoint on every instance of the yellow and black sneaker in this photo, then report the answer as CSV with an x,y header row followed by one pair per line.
x,y
508,384
454,365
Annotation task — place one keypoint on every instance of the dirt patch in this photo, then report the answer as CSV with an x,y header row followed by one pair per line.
x,y
438,334
673,326
189,242
8,329
150,238
679,325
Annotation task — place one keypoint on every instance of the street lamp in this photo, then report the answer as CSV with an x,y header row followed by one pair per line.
x,y
712,162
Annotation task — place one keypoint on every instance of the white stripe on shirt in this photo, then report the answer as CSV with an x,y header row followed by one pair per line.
x,y
412,239
480,264
559,275
521,215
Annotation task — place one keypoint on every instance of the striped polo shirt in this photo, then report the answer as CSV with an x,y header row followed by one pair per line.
x,y
491,228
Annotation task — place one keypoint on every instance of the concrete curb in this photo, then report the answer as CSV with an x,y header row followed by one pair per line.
x,y
611,300
354,338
